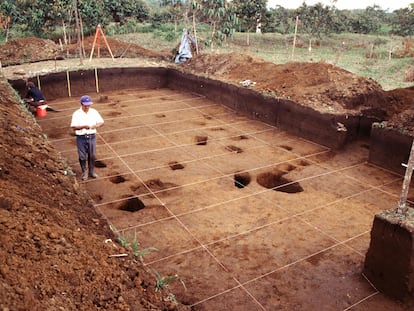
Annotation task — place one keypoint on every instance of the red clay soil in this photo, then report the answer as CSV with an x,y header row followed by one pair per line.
x,y
54,250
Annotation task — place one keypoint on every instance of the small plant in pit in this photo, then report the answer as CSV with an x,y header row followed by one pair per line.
x,y
134,246
68,171
164,281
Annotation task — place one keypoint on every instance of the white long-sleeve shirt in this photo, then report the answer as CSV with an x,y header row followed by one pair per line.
x,y
80,118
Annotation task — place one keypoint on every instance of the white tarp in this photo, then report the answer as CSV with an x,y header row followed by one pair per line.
x,y
184,51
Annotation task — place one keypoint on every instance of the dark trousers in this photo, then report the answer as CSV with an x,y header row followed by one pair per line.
x,y
86,151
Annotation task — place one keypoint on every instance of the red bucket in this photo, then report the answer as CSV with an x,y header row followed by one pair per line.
x,y
41,111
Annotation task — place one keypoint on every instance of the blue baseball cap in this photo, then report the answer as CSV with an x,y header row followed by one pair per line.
x,y
86,100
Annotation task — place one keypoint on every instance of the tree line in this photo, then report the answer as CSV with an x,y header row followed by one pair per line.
x,y
51,18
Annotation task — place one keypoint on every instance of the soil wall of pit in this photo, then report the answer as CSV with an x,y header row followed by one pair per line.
x,y
389,263
389,148
322,128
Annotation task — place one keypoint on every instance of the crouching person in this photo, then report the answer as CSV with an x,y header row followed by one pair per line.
x,y
34,97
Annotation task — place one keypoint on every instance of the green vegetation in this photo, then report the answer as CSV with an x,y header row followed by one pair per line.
x,y
133,245
164,281
223,18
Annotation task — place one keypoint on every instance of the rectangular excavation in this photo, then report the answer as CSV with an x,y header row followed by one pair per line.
x,y
245,212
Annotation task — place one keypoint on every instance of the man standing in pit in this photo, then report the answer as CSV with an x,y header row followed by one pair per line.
x,y
85,121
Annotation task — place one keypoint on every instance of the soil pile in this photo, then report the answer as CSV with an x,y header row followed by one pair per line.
x,y
31,49
403,108
322,86
26,50
55,248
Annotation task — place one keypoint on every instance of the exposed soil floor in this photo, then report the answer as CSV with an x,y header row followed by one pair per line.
x,y
250,217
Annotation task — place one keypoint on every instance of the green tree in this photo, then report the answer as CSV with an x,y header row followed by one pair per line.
x,y
279,20
219,14
92,14
369,20
9,15
402,21
120,10
176,10
315,19
250,13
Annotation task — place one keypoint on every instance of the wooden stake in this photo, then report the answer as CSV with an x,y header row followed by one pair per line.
x,y
294,38
38,82
402,208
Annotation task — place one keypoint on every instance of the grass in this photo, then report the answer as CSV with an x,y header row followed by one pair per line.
x,y
164,281
348,51
132,244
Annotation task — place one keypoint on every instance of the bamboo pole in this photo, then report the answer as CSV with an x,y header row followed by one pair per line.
x,y
38,82
68,81
96,80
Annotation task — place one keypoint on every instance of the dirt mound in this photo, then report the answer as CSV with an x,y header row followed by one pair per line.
x,y
55,251
402,110
319,85
25,50
30,49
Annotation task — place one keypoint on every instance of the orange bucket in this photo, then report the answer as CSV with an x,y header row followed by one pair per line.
x,y
41,111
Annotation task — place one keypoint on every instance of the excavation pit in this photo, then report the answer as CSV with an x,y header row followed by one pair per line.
x,y
174,165
275,180
205,227
132,205
117,179
100,164
242,180
201,140
234,149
